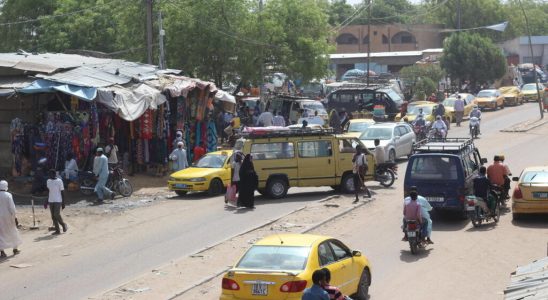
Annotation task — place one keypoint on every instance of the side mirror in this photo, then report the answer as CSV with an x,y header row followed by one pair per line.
x,y
356,253
484,160
515,178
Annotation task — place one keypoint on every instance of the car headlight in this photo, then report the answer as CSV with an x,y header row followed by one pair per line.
x,y
198,179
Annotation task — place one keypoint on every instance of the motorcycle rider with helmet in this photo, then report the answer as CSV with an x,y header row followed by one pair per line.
x,y
476,113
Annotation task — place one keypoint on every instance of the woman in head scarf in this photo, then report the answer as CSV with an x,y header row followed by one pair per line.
x,y
335,121
248,183
9,236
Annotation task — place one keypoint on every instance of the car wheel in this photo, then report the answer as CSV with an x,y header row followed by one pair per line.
x,y
363,286
215,187
180,193
347,183
277,188
392,155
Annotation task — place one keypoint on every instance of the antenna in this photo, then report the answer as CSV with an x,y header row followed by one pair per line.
x,y
281,241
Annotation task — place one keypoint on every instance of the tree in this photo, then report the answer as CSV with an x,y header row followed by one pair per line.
x,y
421,79
339,11
469,56
537,13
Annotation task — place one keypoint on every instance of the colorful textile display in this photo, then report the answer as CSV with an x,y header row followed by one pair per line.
x,y
211,136
146,125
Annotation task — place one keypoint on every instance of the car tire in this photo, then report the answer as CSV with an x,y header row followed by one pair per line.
x,y
181,193
363,286
516,217
392,155
215,187
277,188
347,183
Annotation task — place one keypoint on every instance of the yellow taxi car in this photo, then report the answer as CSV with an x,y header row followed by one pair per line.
x,y
414,108
210,173
449,102
355,127
512,95
530,93
281,266
531,192
490,99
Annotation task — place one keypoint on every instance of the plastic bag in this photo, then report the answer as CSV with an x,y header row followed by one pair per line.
x,y
230,196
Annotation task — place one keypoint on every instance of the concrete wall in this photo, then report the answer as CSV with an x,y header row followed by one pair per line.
x,y
384,38
523,51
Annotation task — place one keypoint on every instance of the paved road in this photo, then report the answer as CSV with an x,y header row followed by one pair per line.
x,y
103,252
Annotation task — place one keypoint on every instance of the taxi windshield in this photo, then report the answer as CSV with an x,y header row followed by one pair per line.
x,y
535,177
275,258
377,133
486,94
414,110
315,106
358,126
211,161
449,102
528,87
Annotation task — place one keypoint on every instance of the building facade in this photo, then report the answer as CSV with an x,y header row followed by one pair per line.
x,y
519,52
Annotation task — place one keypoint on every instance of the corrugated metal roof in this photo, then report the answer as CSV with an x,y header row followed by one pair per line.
x,y
16,82
529,282
87,77
535,40
46,62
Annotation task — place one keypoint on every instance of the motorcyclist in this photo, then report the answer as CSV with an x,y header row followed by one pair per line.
x,y
507,175
412,210
419,121
425,212
440,125
482,185
477,114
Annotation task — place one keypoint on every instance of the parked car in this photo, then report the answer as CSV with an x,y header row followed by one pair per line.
x,y
530,93
449,102
210,173
512,95
490,99
359,97
397,139
280,267
291,107
356,127
443,172
531,192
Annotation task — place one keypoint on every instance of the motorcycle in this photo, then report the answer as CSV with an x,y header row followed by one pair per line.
x,y
385,173
116,182
474,127
478,211
499,195
420,132
436,134
414,236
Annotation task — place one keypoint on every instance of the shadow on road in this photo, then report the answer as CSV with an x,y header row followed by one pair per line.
x,y
408,257
45,238
448,221
534,221
490,225
260,199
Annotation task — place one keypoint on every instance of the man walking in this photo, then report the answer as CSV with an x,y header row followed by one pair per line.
x,y
100,169
9,236
56,201
458,106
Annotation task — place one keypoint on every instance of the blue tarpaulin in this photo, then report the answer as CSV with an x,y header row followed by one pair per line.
x,y
47,86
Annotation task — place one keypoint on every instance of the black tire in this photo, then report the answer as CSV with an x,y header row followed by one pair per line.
x,y
476,222
392,155
347,184
516,217
414,246
181,193
363,285
89,184
215,187
391,177
125,188
277,188
496,217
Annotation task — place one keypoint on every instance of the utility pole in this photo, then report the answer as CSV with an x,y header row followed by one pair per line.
x,y
532,60
368,38
161,34
148,8
261,52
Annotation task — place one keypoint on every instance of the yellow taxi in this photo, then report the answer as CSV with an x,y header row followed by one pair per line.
x,y
512,95
530,93
355,127
210,173
531,192
490,99
280,267
449,103
414,108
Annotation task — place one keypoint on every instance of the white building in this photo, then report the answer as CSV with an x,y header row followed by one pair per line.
x,y
518,51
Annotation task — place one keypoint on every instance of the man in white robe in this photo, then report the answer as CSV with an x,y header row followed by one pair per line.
x,y
9,235
179,158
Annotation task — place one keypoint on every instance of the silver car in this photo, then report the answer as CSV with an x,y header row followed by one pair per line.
x,y
397,139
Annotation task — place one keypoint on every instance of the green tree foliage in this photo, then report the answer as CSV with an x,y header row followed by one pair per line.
x,y
469,56
537,14
421,79
339,11
425,86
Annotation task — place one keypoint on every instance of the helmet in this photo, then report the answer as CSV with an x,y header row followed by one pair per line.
x,y
476,106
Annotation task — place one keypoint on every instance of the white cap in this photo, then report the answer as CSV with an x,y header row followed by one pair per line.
x,y
180,144
3,185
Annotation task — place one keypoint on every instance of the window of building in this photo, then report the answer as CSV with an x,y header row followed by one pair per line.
x,y
347,39
272,151
403,37
384,39
315,149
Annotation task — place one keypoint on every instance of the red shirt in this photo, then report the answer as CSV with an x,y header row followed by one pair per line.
x,y
198,153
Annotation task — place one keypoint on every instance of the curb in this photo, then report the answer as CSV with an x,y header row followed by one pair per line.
x,y
540,123
207,279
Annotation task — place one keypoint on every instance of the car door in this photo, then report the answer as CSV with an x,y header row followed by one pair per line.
x,y
327,259
399,141
316,166
344,262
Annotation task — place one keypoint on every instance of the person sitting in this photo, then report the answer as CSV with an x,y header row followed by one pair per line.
x,y
419,121
477,114
482,185
425,212
333,291
439,125
412,209
440,110
71,169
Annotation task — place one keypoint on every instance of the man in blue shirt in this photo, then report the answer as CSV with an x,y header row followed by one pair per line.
x,y
100,169
316,292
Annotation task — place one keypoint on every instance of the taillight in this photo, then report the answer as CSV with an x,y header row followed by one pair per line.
x,y
229,284
517,193
471,203
293,286
412,226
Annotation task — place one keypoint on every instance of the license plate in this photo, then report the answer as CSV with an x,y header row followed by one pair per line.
x,y
411,234
259,289
470,208
435,199
180,186
540,194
